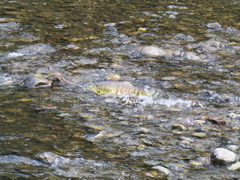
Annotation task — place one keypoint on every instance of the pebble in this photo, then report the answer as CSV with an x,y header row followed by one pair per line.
x,y
196,163
234,166
185,144
162,169
142,29
113,77
169,78
233,115
233,147
191,56
143,130
222,156
178,127
151,174
199,122
199,134
93,137
48,157
214,25
139,154
152,51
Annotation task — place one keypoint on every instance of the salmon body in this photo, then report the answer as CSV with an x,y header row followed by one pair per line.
x,y
116,87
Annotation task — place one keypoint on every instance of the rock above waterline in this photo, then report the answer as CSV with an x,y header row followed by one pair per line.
x,y
48,157
53,79
36,80
162,169
223,156
152,51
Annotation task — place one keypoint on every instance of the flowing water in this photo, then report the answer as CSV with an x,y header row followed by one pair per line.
x,y
111,136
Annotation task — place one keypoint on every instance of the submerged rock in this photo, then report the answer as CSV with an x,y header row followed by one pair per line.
x,y
178,127
36,80
191,56
19,160
235,166
37,48
214,25
152,51
54,160
110,29
9,26
162,169
48,157
223,156
211,45
33,50
233,147
113,77
53,79
58,80
5,80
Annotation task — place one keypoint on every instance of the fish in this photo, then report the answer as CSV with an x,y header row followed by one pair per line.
x,y
116,87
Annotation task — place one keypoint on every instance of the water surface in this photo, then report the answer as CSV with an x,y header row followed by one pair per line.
x,y
118,137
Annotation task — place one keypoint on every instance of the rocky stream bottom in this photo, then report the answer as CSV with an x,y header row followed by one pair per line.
x,y
164,111
69,132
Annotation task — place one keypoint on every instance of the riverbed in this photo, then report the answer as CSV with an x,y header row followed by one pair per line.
x,y
71,132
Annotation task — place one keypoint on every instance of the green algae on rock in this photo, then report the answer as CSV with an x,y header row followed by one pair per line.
x,y
116,87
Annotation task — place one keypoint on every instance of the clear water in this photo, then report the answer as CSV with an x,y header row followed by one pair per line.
x,y
110,136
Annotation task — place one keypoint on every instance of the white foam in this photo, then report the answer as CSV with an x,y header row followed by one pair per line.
x,y
14,54
169,102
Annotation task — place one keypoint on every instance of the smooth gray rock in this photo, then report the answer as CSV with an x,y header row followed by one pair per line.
x,y
152,51
223,156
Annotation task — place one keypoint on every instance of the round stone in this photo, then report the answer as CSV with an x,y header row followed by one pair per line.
x,y
152,51
223,156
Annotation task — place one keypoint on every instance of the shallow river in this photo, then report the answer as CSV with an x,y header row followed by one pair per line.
x,y
71,132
